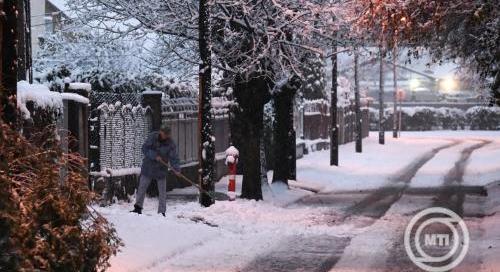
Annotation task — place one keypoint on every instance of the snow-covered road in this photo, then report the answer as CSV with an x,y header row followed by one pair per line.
x,y
355,223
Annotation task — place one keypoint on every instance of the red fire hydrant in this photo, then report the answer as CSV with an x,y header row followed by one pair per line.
x,y
231,161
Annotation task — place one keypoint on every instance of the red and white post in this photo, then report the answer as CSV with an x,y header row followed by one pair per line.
x,y
231,161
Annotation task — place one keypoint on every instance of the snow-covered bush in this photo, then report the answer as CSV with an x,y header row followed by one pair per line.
x,y
313,86
423,119
118,82
46,223
451,118
483,118
38,107
427,118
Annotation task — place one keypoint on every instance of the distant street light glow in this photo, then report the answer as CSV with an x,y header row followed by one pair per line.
x,y
414,83
448,84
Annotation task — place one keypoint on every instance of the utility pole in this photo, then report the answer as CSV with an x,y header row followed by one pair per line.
x,y
359,136
29,50
21,43
207,148
9,61
334,135
381,119
395,115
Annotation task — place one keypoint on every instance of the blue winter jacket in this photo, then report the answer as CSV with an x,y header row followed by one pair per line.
x,y
152,148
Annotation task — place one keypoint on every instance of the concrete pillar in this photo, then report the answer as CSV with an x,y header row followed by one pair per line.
x,y
76,118
152,99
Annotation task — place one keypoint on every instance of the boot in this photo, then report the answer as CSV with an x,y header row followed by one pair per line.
x,y
137,209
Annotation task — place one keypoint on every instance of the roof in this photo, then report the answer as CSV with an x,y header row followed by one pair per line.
x,y
59,4
423,65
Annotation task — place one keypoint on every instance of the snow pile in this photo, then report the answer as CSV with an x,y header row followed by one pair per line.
x,y
39,94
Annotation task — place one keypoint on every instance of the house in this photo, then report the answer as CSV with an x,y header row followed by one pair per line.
x,y
47,16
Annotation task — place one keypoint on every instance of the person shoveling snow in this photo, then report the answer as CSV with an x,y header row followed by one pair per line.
x,y
158,149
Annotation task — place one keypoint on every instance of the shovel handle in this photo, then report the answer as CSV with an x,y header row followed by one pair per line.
x,y
179,174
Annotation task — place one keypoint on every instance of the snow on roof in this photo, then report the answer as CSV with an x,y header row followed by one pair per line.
x,y
39,94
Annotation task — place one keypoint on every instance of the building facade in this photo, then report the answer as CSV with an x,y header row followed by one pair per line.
x,y
47,16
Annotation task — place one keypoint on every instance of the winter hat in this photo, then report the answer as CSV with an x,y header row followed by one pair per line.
x,y
166,129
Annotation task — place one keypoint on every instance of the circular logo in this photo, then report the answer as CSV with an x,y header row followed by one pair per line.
x,y
436,239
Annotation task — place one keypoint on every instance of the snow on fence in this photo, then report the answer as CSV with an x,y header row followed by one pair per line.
x,y
121,130
118,130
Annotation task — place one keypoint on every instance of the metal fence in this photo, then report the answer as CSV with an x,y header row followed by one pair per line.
x,y
119,126
182,116
312,121
117,134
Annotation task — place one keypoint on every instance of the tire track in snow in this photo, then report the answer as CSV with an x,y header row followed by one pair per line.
x,y
376,204
322,253
454,199
451,196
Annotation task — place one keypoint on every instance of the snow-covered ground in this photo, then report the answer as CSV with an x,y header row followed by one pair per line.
x,y
229,235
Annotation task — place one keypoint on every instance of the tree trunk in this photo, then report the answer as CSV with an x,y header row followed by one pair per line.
x,y
284,133
251,94
207,149
359,135
381,119
334,135
9,62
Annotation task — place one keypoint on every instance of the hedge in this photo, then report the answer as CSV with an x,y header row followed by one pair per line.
x,y
428,118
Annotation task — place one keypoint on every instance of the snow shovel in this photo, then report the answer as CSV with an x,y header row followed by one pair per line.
x,y
219,196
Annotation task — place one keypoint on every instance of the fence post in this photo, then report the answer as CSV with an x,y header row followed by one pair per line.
x,y
76,118
153,100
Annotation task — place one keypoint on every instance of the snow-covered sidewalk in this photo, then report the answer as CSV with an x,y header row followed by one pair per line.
x,y
229,235
372,168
